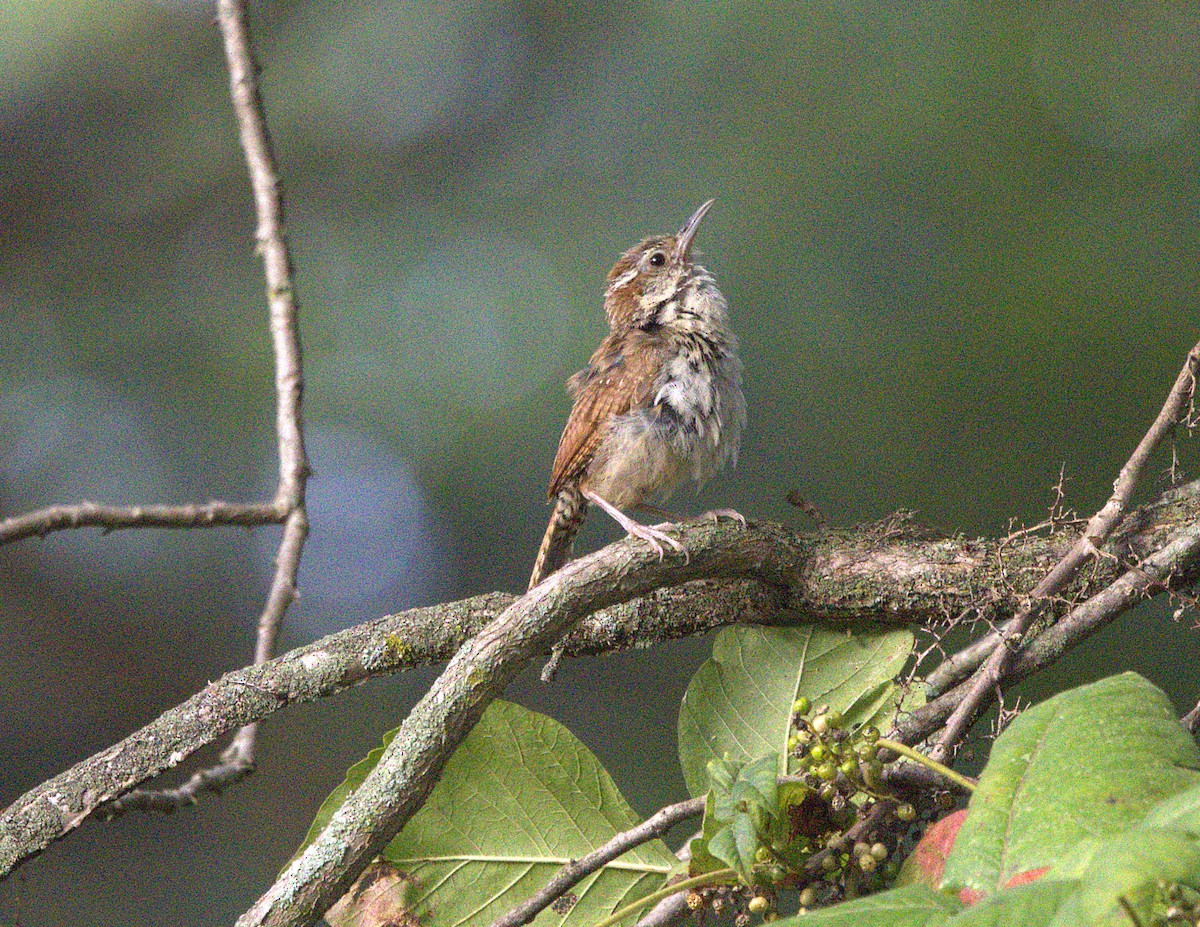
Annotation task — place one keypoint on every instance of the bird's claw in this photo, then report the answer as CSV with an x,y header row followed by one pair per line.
x,y
715,515
656,538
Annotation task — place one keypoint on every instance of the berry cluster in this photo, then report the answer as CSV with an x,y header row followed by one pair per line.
x,y
844,769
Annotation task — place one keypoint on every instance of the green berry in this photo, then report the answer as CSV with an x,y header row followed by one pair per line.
x,y
826,771
861,849
906,812
834,719
820,724
829,863
848,768
793,742
808,897
870,734
867,863
758,904
762,854
879,851
818,753
801,706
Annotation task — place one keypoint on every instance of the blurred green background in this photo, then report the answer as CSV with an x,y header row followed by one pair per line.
x,y
959,241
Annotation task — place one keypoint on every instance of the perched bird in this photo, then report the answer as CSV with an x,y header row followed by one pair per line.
x,y
660,399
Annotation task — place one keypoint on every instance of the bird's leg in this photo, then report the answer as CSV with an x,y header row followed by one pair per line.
x,y
652,536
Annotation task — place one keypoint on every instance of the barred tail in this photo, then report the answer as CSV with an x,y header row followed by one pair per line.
x,y
570,509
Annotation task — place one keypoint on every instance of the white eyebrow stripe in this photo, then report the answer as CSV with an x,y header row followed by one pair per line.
x,y
623,279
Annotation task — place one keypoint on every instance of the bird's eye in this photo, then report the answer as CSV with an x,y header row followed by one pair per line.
x,y
658,259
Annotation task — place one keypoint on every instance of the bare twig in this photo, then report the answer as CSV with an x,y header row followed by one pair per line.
x,y
1099,528
654,826
1178,561
1192,719
666,913
114,517
237,760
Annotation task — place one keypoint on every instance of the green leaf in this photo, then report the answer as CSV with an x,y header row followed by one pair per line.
x,y
735,785
701,860
741,807
735,844
1036,904
1087,763
520,798
911,906
740,701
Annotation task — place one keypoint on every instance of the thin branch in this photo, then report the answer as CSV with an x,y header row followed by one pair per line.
x,y
1177,562
237,760
666,913
1099,528
570,875
1192,719
41,522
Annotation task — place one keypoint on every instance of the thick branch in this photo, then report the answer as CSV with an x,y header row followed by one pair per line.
x,y
887,572
410,766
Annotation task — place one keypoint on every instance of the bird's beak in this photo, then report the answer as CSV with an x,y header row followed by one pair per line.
x,y
683,241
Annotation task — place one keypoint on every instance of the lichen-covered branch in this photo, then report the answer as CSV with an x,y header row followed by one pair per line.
x,y
890,572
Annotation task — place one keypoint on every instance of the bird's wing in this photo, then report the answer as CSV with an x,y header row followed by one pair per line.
x,y
615,382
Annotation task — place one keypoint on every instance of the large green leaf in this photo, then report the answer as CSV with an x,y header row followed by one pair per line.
x,y
911,906
520,798
1087,763
740,701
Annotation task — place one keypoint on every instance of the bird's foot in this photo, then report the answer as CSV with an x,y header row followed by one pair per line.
x,y
656,537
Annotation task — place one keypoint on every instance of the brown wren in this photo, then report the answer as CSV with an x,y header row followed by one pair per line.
x,y
660,399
